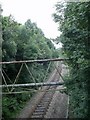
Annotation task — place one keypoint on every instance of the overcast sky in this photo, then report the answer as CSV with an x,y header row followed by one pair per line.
x,y
39,11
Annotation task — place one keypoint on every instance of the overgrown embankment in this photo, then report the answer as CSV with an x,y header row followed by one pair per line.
x,y
73,19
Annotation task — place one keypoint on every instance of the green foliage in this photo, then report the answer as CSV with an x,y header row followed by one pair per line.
x,y
12,104
23,42
76,46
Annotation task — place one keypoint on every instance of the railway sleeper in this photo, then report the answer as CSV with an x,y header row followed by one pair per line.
x,y
37,116
40,106
39,110
38,113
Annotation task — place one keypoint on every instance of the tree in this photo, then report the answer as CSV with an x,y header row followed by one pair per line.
x,y
76,45
22,42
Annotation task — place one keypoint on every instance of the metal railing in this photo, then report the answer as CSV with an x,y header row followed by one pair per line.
x,y
13,85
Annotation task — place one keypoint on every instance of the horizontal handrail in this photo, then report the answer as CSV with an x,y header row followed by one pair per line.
x,y
33,84
32,61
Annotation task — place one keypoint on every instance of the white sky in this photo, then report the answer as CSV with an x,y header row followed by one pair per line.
x,y
39,11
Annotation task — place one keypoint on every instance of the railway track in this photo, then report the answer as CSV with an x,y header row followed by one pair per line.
x,y
42,107
39,104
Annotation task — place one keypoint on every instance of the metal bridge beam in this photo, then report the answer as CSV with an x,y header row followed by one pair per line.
x,y
33,84
32,61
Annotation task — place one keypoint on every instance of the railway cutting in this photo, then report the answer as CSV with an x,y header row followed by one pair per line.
x,y
50,103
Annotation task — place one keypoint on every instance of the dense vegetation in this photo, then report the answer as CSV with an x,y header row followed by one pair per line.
x,y
23,42
73,19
